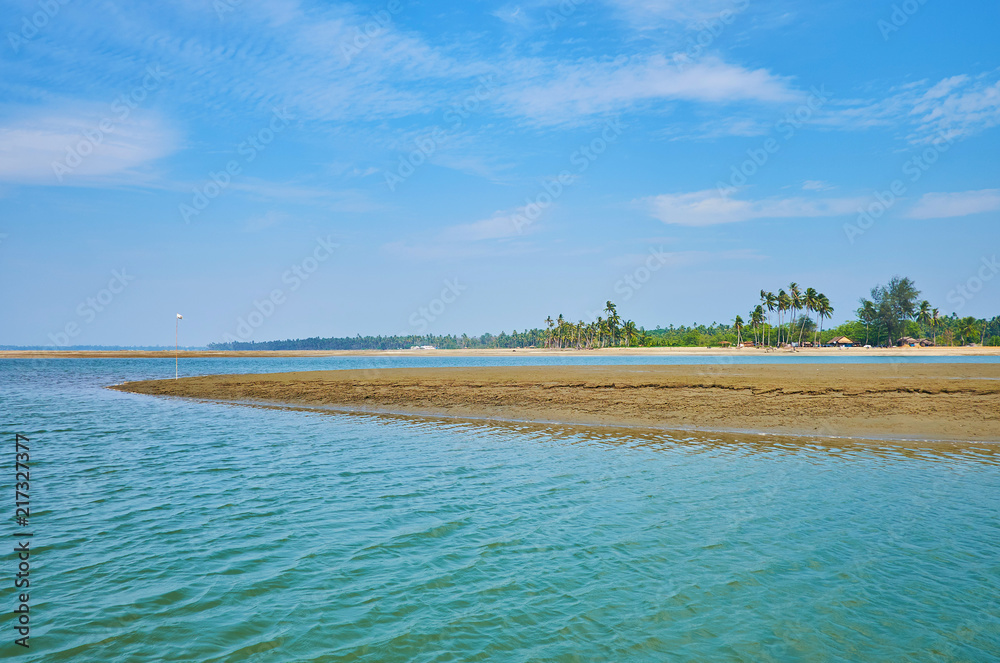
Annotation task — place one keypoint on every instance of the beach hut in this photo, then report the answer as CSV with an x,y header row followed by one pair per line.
x,y
841,342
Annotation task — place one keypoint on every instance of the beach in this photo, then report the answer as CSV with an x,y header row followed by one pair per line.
x,y
893,401
938,351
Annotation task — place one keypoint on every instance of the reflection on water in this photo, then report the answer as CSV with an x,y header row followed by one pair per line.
x,y
177,530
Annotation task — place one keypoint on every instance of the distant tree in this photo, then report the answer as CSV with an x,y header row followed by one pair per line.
x,y
868,315
924,316
967,329
896,303
823,310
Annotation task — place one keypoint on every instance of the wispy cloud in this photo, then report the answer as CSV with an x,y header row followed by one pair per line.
x,y
71,149
557,93
707,208
957,107
951,205
817,185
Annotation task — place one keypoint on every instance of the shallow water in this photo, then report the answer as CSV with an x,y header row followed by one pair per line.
x,y
176,530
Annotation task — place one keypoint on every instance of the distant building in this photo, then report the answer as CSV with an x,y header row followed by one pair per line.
x,y
914,342
841,342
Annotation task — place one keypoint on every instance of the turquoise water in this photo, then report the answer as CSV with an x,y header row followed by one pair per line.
x,y
184,531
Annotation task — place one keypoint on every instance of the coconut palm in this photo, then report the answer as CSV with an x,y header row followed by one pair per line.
x,y
757,320
823,310
643,337
967,329
772,304
795,304
613,320
867,314
784,304
935,321
629,333
548,336
809,301
738,328
924,314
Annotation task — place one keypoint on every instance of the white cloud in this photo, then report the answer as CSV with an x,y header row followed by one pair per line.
x,y
957,107
501,225
72,149
816,185
561,93
950,205
707,208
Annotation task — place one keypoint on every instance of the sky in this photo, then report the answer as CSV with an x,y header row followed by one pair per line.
x,y
287,169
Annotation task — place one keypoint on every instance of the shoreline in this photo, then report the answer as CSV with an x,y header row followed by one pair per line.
x,y
944,402
520,352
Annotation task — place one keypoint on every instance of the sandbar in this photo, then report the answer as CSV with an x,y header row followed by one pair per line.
x,y
898,401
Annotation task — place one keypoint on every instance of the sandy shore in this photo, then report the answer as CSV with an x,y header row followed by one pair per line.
x,y
954,402
530,352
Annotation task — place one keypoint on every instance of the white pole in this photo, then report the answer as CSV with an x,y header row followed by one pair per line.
x,y
177,325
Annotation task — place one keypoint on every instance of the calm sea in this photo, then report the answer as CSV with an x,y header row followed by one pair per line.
x,y
169,530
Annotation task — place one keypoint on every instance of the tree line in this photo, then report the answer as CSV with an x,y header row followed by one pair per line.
x,y
790,316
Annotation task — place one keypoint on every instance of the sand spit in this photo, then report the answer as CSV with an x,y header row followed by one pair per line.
x,y
954,402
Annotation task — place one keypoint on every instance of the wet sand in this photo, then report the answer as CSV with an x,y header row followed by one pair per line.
x,y
954,402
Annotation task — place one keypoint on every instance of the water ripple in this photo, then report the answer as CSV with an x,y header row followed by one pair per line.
x,y
175,530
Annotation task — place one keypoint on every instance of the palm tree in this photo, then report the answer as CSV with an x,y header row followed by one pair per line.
x,y
560,322
967,328
548,325
629,333
613,320
924,314
823,310
867,314
935,321
772,303
757,320
784,304
738,328
809,302
643,337
795,304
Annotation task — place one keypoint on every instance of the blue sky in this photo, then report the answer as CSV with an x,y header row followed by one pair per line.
x,y
289,169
